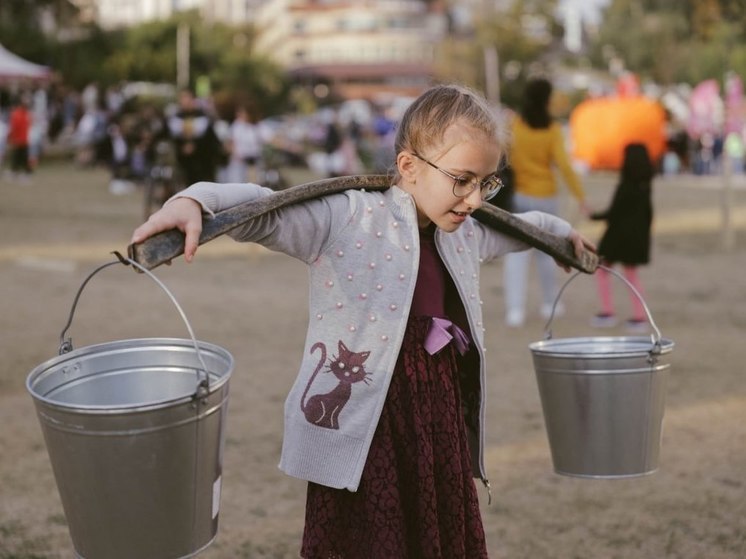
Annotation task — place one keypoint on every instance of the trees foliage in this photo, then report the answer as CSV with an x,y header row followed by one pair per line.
x,y
523,35
674,41
225,54
21,32
222,53
666,41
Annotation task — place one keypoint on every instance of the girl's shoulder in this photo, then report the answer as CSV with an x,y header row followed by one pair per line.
x,y
352,202
360,197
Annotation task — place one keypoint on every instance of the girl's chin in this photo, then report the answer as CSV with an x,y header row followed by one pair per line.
x,y
456,218
451,221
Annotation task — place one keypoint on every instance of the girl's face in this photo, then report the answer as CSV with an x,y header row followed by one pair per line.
x,y
464,150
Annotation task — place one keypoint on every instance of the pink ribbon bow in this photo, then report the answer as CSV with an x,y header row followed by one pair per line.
x,y
440,334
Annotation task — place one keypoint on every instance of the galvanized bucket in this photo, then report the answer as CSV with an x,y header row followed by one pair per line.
x,y
603,399
135,432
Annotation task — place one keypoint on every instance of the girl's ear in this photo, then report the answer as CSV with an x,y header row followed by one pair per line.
x,y
405,163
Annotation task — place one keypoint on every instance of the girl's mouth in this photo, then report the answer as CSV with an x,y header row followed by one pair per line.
x,y
459,217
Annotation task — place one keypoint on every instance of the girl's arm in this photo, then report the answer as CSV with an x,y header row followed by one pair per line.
x,y
215,197
184,211
300,230
494,244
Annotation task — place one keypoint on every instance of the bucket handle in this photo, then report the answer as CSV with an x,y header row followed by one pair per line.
x,y
655,336
66,343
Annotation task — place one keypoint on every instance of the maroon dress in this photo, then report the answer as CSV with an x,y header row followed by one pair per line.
x,y
417,498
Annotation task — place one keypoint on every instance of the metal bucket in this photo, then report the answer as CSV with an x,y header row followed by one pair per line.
x,y
135,433
603,399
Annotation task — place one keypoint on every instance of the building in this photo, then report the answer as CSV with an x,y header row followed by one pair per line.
x,y
354,48
339,48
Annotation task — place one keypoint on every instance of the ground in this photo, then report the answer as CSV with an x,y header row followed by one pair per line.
x,y
54,231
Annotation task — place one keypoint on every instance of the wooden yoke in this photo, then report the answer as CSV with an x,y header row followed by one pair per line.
x,y
166,246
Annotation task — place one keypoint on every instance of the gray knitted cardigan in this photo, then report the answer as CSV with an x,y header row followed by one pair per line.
x,y
362,250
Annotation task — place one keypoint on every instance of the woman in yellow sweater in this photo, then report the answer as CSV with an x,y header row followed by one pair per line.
x,y
537,152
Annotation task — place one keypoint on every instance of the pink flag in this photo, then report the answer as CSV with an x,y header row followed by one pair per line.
x,y
705,109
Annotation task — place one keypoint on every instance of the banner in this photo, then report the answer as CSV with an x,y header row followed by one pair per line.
x,y
705,110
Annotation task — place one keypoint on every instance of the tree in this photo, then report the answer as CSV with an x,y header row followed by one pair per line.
x,y
226,55
147,52
671,42
522,34
20,30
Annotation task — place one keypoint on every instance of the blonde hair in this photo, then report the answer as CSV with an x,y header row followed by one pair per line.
x,y
425,121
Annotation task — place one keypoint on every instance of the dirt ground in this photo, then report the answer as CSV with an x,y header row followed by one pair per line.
x,y
54,231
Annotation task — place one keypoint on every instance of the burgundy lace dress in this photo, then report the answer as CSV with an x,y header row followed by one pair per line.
x,y
417,498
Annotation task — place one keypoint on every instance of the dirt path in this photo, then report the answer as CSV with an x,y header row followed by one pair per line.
x,y
52,233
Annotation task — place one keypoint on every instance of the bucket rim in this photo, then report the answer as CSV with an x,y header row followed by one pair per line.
x,y
636,346
214,386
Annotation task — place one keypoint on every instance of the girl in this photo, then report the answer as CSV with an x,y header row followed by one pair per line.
x,y
537,149
391,440
627,238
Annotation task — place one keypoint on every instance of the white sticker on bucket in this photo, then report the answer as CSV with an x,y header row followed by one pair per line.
x,y
216,497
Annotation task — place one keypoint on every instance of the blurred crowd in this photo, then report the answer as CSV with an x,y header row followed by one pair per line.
x,y
136,131
709,154
135,135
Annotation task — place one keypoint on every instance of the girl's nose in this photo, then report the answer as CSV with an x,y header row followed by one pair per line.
x,y
474,199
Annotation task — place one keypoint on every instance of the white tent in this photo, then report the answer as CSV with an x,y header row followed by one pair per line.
x,y
14,67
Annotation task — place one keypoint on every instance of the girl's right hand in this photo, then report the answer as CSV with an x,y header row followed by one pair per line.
x,y
184,214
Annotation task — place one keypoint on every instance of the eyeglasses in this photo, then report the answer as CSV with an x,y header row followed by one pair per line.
x,y
465,184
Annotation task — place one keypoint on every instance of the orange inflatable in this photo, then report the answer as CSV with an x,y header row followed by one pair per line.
x,y
601,127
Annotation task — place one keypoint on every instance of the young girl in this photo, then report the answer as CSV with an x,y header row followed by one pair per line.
x,y
627,238
386,417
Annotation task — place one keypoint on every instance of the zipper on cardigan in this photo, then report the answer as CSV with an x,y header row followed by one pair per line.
x,y
486,483
469,319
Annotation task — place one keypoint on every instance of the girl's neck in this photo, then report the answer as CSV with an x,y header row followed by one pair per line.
x,y
428,230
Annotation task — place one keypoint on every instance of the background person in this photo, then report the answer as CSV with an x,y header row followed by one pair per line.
x,y
246,146
197,146
19,130
626,240
536,152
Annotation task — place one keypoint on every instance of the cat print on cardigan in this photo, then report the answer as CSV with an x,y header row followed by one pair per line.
x,y
348,367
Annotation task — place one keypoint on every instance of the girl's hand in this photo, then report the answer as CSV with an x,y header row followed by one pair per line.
x,y
184,214
580,245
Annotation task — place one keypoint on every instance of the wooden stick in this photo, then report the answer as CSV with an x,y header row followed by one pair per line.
x,y
165,246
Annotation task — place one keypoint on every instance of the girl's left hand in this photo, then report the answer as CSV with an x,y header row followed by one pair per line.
x,y
580,245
